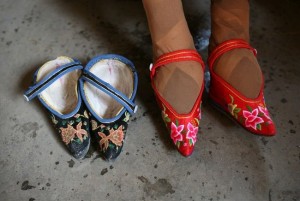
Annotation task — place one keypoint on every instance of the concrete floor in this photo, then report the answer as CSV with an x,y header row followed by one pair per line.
x,y
228,163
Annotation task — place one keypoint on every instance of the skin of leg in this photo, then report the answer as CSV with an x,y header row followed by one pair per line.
x,y
239,67
178,83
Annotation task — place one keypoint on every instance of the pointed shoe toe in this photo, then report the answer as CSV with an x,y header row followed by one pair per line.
x,y
251,113
56,86
108,87
183,128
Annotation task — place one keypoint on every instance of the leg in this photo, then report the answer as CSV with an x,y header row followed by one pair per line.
x,y
237,83
178,83
230,20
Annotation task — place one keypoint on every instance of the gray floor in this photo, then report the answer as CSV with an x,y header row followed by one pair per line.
x,y
228,163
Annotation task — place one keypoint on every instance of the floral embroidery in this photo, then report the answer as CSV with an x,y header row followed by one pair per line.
x,y
176,132
53,119
192,133
95,125
264,111
85,115
74,131
67,134
165,115
252,119
127,116
232,108
79,132
115,136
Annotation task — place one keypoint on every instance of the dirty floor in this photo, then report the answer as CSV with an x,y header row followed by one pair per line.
x,y
228,162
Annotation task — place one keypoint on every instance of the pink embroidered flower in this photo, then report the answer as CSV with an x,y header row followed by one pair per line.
x,y
252,119
192,133
264,111
176,132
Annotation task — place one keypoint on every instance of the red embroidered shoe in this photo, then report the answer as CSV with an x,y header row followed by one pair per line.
x,y
252,114
183,128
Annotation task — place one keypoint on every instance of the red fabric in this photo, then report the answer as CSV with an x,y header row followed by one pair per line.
x,y
252,114
183,128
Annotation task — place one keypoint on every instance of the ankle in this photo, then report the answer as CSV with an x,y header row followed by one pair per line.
x,y
230,20
177,38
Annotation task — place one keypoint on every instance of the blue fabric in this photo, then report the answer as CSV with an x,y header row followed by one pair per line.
x,y
41,85
128,103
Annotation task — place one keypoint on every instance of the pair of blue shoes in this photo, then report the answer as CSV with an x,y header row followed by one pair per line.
x,y
96,100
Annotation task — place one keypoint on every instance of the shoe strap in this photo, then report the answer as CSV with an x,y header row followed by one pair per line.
x,y
176,56
109,90
43,84
227,46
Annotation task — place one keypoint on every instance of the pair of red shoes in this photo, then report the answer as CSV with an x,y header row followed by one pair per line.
x,y
251,114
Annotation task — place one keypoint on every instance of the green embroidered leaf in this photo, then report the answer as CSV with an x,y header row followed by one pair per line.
x,y
241,120
115,127
78,141
178,144
167,119
176,122
64,122
78,120
237,110
71,122
190,142
260,114
249,108
258,126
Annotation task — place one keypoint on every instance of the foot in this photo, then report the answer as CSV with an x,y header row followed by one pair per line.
x,y
239,67
178,83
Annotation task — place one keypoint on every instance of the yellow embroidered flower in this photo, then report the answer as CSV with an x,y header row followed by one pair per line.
x,y
165,115
94,125
127,116
231,108
53,119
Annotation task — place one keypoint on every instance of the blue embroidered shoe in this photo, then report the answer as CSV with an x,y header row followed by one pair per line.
x,y
56,86
108,87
